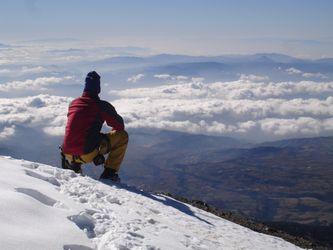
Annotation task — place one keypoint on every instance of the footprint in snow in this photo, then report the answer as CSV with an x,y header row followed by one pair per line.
x,y
152,221
83,200
30,165
113,200
154,211
149,247
136,235
51,180
76,247
46,200
42,198
85,222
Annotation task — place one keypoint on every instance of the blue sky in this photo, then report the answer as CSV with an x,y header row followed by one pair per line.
x,y
297,27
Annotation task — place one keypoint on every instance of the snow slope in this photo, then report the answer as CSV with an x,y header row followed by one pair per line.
x,y
43,207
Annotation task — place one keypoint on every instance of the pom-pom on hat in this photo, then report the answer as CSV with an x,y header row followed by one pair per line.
x,y
93,84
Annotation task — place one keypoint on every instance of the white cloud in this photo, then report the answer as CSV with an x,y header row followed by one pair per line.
x,y
4,72
253,78
241,89
135,78
245,109
293,126
197,79
33,70
4,61
7,132
293,71
42,112
163,76
20,71
39,83
314,75
179,78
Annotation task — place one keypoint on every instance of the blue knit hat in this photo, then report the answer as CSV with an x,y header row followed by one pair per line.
x,y
93,84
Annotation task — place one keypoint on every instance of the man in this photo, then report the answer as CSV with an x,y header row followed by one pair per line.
x,y
83,142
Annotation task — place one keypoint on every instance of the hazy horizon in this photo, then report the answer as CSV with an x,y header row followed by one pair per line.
x,y
297,28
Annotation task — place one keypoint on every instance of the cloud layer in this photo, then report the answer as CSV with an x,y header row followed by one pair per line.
x,y
39,83
293,71
43,112
135,78
245,108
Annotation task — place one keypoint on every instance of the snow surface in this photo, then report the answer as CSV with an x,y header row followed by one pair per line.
x,y
43,207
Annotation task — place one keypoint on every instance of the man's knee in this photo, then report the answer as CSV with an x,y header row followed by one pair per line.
x,y
120,136
123,136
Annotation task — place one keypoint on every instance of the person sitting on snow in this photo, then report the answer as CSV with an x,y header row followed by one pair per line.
x,y
83,141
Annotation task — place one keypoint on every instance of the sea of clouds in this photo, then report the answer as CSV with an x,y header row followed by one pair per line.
x,y
242,108
252,107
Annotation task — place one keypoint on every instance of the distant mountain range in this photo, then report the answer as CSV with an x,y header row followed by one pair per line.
x,y
215,68
170,58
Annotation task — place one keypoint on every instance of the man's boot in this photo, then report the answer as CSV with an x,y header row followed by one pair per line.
x,y
110,174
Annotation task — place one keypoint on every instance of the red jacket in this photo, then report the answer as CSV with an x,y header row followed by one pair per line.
x,y
86,116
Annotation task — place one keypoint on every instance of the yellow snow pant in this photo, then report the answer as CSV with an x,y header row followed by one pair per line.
x,y
116,147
